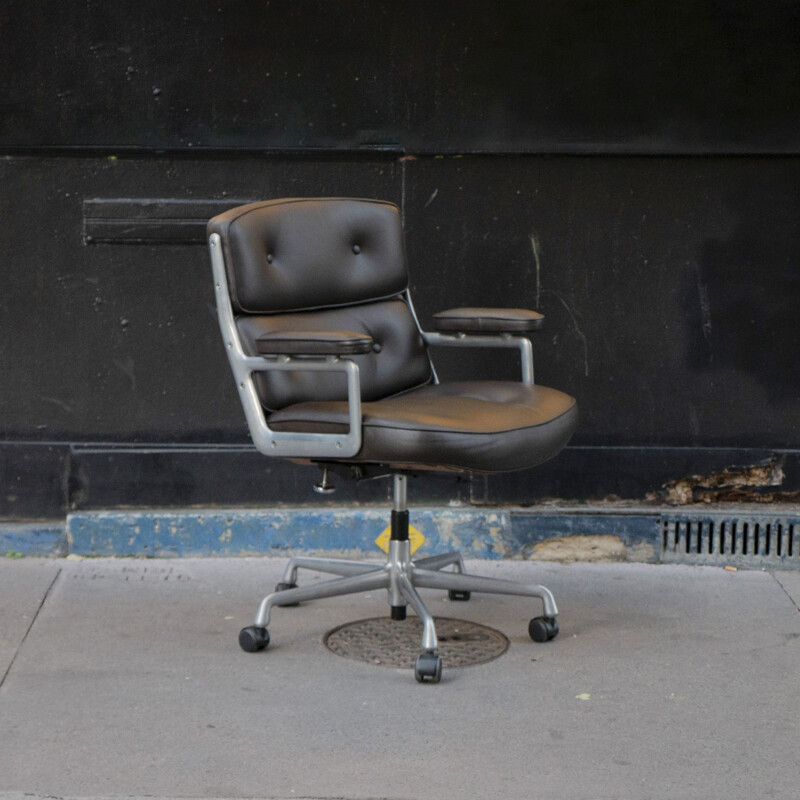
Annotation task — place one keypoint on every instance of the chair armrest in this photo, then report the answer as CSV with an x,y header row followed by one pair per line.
x,y
488,320
314,343
488,327
282,443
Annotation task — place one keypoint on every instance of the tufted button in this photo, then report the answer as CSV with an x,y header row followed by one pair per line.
x,y
376,348
356,249
269,258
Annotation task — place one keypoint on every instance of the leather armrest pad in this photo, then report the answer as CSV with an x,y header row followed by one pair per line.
x,y
489,320
314,343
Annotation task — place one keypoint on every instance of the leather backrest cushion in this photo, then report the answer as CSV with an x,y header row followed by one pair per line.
x,y
300,253
398,362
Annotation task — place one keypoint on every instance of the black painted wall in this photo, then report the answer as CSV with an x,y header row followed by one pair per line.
x,y
451,76
631,171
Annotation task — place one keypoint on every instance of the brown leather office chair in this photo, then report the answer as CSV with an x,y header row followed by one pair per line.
x,y
333,369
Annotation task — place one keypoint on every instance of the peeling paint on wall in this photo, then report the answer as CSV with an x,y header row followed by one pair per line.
x,y
750,484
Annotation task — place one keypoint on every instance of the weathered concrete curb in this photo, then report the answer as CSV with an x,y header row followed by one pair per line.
x,y
737,535
476,532
262,531
47,539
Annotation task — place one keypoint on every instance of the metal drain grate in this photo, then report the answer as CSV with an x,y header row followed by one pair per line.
x,y
391,643
750,541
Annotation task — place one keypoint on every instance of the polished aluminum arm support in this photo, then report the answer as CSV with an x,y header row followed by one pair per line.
x,y
521,343
267,441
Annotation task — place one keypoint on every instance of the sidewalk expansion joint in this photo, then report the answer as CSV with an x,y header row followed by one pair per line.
x,y
27,632
785,591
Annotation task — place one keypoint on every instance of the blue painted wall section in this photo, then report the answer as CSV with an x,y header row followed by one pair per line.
x,y
477,533
763,539
33,539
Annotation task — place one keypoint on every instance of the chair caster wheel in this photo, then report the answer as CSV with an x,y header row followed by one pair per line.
x,y
282,587
455,594
428,668
543,629
253,639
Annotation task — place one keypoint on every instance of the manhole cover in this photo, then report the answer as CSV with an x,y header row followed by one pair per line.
x,y
391,643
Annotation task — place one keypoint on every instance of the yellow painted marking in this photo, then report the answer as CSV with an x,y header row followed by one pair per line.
x,y
414,537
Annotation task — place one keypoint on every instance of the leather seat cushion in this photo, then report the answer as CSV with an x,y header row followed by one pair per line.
x,y
469,426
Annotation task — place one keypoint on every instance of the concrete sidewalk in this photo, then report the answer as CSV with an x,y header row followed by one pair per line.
x,y
122,677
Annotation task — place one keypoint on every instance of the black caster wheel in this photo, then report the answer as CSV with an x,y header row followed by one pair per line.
x,y
543,629
455,594
428,668
282,587
253,639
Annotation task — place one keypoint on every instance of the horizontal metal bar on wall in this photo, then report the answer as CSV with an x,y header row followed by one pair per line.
x,y
390,152
150,220
179,447
112,151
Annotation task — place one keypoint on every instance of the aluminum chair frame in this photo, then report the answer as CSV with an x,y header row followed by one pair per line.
x,y
400,575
